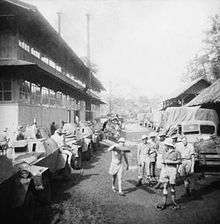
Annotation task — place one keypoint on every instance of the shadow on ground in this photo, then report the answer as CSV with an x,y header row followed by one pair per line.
x,y
49,213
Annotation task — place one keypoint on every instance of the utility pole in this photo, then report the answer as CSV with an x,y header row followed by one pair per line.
x,y
110,97
88,50
89,84
59,22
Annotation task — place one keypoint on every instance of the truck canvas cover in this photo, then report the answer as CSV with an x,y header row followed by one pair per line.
x,y
176,115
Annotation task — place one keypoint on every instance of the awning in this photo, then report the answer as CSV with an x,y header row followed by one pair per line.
x,y
193,87
208,95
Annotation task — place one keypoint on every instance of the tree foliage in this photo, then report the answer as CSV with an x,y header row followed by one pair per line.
x,y
207,63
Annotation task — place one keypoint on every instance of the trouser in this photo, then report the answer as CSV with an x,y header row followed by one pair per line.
x,y
119,176
152,169
143,170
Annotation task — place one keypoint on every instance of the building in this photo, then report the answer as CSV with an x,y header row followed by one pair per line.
x,y
184,95
40,75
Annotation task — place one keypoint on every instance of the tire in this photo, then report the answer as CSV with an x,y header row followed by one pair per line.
x,y
89,152
76,163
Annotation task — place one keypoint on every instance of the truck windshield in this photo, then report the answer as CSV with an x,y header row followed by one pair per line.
x,y
190,129
207,129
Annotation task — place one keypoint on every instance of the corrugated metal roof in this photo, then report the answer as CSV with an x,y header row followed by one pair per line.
x,y
208,95
187,88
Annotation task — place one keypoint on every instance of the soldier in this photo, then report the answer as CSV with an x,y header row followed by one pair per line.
x,y
171,159
142,160
160,151
153,147
116,167
186,168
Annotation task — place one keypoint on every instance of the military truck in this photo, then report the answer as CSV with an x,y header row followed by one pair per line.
x,y
200,127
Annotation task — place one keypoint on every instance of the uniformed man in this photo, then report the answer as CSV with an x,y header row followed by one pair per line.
x,y
186,168
142,159
116,167
159,163
153,147
171,159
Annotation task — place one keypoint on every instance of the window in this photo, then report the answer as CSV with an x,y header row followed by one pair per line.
x,y
45,96
35,53
35,94
5,90
52,96
45,60
23,45
190,129
52,63
207,129
59,98
24,92
58,68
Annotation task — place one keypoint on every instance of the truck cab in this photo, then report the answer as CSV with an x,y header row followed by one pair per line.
x,y
197,130
203,134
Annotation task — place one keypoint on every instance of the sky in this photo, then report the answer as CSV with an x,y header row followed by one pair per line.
x,y
141,47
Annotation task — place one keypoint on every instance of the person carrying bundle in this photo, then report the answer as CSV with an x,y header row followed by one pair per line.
x,y
116,166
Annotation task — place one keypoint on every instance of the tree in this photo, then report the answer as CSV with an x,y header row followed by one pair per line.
x,y
207,63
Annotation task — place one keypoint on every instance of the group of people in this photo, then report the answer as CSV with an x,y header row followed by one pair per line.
x,y
168,157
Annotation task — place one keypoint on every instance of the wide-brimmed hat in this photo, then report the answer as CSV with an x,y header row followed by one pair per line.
x,y
175,136
161,134
169,142
121,140
152,135
20,128
144,137
60,131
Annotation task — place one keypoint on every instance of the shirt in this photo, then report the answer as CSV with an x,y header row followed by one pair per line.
x,y
153,147
172,155
116,155
186,151
161,148
142,152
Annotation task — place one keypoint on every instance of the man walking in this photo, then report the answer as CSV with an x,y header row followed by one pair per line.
x,y
153,147
116,167
160,151
142,160
186,168
171,159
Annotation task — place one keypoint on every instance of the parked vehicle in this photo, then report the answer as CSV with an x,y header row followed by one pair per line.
x,y
80,140
87,144
37,160
200,127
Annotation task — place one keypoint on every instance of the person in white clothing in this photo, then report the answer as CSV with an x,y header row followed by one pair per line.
x,y
142,161
116,167
186,168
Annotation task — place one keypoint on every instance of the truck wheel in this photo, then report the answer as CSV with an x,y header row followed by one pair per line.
x,y
76,163
89,152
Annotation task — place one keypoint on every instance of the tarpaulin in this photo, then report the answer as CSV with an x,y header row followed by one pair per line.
x,y
176,115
